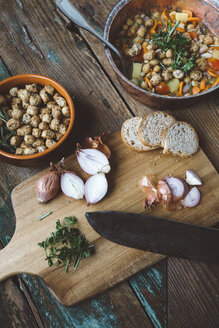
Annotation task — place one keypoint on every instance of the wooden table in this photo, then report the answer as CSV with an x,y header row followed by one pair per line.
x,y
36,38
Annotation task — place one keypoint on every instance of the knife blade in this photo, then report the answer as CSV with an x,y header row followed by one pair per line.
x,y
157,235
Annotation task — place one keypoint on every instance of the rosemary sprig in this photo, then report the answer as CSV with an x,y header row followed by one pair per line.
x,y
66,245
5,132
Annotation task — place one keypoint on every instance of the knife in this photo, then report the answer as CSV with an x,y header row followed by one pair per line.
x,y
164,236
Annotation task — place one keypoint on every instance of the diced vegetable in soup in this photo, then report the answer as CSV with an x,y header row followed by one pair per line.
x,y
172,53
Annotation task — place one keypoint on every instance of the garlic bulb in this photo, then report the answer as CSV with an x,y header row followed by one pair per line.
x,y
72,185
95,188
92,161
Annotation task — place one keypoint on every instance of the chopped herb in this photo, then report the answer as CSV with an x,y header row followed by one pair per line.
x,y
44,216
74,245
5,132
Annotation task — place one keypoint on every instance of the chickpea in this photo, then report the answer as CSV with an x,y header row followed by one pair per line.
x,y
29,139
17,114
167,61
149,55
190,27
32,110
203,48
187,79
47,118
38,142
187,35
43,126
196,75
3,100
141,31
26,118
45,110
50,143
24,145
13,91
16,100
25,105
66,111
132,30
9,112
202,64
35,100
66,121
62,129
35,121
58,136
195,83
24,95
30,151
56,112
167,75
19,151
55,124
169,53
157,15
129,22
186,88
13,124
16,106
208,39
160,53
156,79
146,68
194,47
25,129
151,46
135,50
178,74
144,85
32,88
157,68
49,89
149,22
42,148
48,134
44,96
139,20
145,43
16,141
50,104
125,27
36,133
153,62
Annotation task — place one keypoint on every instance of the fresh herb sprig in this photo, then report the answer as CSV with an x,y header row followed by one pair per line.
x,y
66,244
177,42
5,132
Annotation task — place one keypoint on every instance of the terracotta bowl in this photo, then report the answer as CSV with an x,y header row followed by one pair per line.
x,y
206,10
53,152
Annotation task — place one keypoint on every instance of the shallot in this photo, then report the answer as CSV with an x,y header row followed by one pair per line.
x,y
72,185
97,143
192,178
178,187
192,199
95,188
48,185
151,192
92,161
164,193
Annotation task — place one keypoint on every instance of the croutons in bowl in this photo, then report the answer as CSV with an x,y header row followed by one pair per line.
x,y
36,117
163,45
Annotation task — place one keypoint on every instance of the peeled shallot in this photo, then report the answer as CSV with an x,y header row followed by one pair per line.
x,y
192,178
95,188
178,187
92,161
192,199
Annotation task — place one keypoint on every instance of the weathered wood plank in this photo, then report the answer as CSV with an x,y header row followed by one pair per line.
x,y
116,308
193,294
150,287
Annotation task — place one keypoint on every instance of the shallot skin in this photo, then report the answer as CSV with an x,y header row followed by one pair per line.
x,y
151,192
164,193
48,186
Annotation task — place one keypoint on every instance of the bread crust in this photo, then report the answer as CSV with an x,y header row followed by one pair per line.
x,y
183,155
130,146
140,132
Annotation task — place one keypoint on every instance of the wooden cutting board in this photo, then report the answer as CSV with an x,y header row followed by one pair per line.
x,y
110,263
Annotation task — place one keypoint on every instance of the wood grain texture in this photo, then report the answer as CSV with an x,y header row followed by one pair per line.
x,y
124,195
193,294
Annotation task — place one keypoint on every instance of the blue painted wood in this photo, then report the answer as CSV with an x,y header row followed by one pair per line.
x,y
4,73
150,287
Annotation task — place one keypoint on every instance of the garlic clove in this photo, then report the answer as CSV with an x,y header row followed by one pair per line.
x,y
92,161
95,188
72,185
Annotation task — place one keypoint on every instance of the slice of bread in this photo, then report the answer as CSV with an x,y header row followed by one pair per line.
x,y
129,135
152,126
180,138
